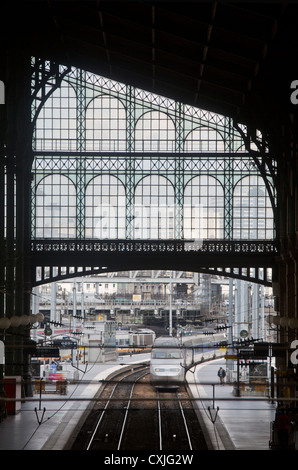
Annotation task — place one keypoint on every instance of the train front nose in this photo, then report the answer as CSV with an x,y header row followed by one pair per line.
x,y
168,376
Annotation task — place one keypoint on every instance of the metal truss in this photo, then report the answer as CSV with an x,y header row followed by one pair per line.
x,y
113,162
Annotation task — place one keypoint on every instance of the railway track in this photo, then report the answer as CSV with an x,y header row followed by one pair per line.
x,y
130,415
170,417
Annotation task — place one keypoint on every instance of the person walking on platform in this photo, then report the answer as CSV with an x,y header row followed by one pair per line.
x,y
221,374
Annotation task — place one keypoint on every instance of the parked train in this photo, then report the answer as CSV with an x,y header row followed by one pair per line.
x,y
171,357
203,347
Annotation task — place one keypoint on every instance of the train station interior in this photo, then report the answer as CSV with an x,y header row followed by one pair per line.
x,y
152,145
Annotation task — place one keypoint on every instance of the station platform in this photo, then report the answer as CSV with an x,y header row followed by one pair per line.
x,y
232,423
48,424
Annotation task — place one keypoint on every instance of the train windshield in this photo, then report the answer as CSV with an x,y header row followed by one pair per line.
x,y
166,354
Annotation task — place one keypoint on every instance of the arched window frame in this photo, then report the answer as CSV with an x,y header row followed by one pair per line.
x,y
105,207
55,207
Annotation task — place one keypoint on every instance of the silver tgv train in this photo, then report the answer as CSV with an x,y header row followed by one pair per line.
x,y
200,348
170,358
167,365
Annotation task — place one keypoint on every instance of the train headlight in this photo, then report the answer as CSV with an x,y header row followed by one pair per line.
x,y
167,370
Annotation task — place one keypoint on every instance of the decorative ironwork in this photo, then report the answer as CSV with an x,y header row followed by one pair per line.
x,y
115,162
136,246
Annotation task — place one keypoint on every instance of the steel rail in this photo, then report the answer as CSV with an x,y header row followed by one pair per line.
x,y
185,422
105,408
160,421
127,408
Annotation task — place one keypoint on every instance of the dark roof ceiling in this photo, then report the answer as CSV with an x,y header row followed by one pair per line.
x,y
238,59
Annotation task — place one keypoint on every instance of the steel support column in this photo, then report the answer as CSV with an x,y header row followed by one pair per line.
x,y
2,246
286,285
81,146
228,183
179,174
130,164
18,215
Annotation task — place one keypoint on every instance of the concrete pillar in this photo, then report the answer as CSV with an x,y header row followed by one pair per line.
x,y
82,301
237,312
35,307
262,325
53,300
230,330
243,306
255,311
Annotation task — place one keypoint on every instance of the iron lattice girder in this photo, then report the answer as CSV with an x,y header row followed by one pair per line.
x,y
214,256
230,166
240,164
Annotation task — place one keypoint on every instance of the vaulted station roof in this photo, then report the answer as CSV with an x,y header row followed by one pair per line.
x,y
237,59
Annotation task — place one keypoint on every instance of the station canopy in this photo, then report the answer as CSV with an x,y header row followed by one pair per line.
x,y
238,59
